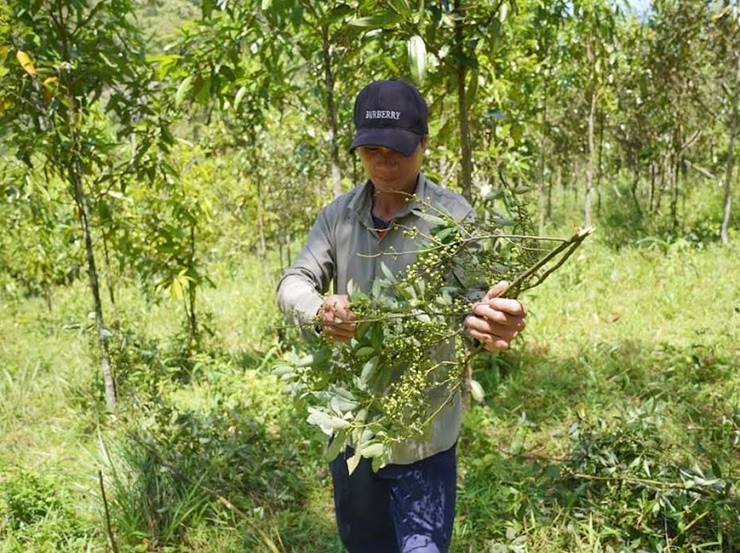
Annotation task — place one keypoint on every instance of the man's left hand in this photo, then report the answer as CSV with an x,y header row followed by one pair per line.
x,y
496,321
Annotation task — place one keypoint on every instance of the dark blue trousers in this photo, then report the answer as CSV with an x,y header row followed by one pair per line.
x,y
399,509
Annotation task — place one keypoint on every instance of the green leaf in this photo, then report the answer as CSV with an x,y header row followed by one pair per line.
x,y
365,351
341,405
476,390
239,97
338,13
207,7
387,272
176,289
361,416
444,233
377,463
429,217
367,369
353,461
401,7
325,420
282,370
337,445
185,87
376,21
417,52
424,318
377,288
373,449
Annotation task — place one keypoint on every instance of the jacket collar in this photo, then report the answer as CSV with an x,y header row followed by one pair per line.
x,y
362,202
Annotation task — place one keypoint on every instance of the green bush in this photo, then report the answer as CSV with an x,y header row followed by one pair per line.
x,y
29,498
621,472
224,447
35,515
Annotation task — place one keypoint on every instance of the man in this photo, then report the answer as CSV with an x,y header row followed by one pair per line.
x,y
408,505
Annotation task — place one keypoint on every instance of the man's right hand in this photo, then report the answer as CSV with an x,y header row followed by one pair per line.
x,y
336,319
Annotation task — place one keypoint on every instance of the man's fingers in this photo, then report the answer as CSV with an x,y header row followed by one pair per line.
x,y
339,332
513,307
491,342
341,314
497,289
486,314
486,327
336,318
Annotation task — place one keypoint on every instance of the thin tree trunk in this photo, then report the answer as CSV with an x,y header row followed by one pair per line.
x,y
262,242
331,113
47,298
599,165
466,153
192,291
109,280
677,153
661,186
576,180
541,187
635,183
558,183
676,162
288,240
563,190
727,208
75,176
589,162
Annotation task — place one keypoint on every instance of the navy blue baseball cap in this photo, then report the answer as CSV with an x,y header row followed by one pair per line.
x,y
391,114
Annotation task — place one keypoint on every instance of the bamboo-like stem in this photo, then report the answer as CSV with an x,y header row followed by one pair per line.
x,y
573,242
108,525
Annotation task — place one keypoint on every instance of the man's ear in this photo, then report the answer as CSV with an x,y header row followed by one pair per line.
x,y
424,143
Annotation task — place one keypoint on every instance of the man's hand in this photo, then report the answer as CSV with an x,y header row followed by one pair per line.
x,y
496,321
336,319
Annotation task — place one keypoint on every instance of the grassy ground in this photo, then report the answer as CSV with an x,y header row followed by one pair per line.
x,y
622,395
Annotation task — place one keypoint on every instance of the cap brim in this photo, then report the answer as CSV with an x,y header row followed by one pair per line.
x,y
400,140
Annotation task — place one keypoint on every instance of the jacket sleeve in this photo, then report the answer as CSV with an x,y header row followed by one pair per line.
x,y
300,290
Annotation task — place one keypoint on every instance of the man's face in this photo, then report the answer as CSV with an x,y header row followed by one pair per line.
x,y
391,171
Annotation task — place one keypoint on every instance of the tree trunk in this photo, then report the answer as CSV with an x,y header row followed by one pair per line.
x,y
677,154
192,290
75,177
550,187
676,162
331,113
73,168
466,153
541,209
262,242
727,208
589,162
599,164
109,281
661,185
47,298
288,239
635,184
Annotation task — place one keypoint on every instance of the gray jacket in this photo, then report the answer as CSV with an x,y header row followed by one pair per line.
x,y
343,245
